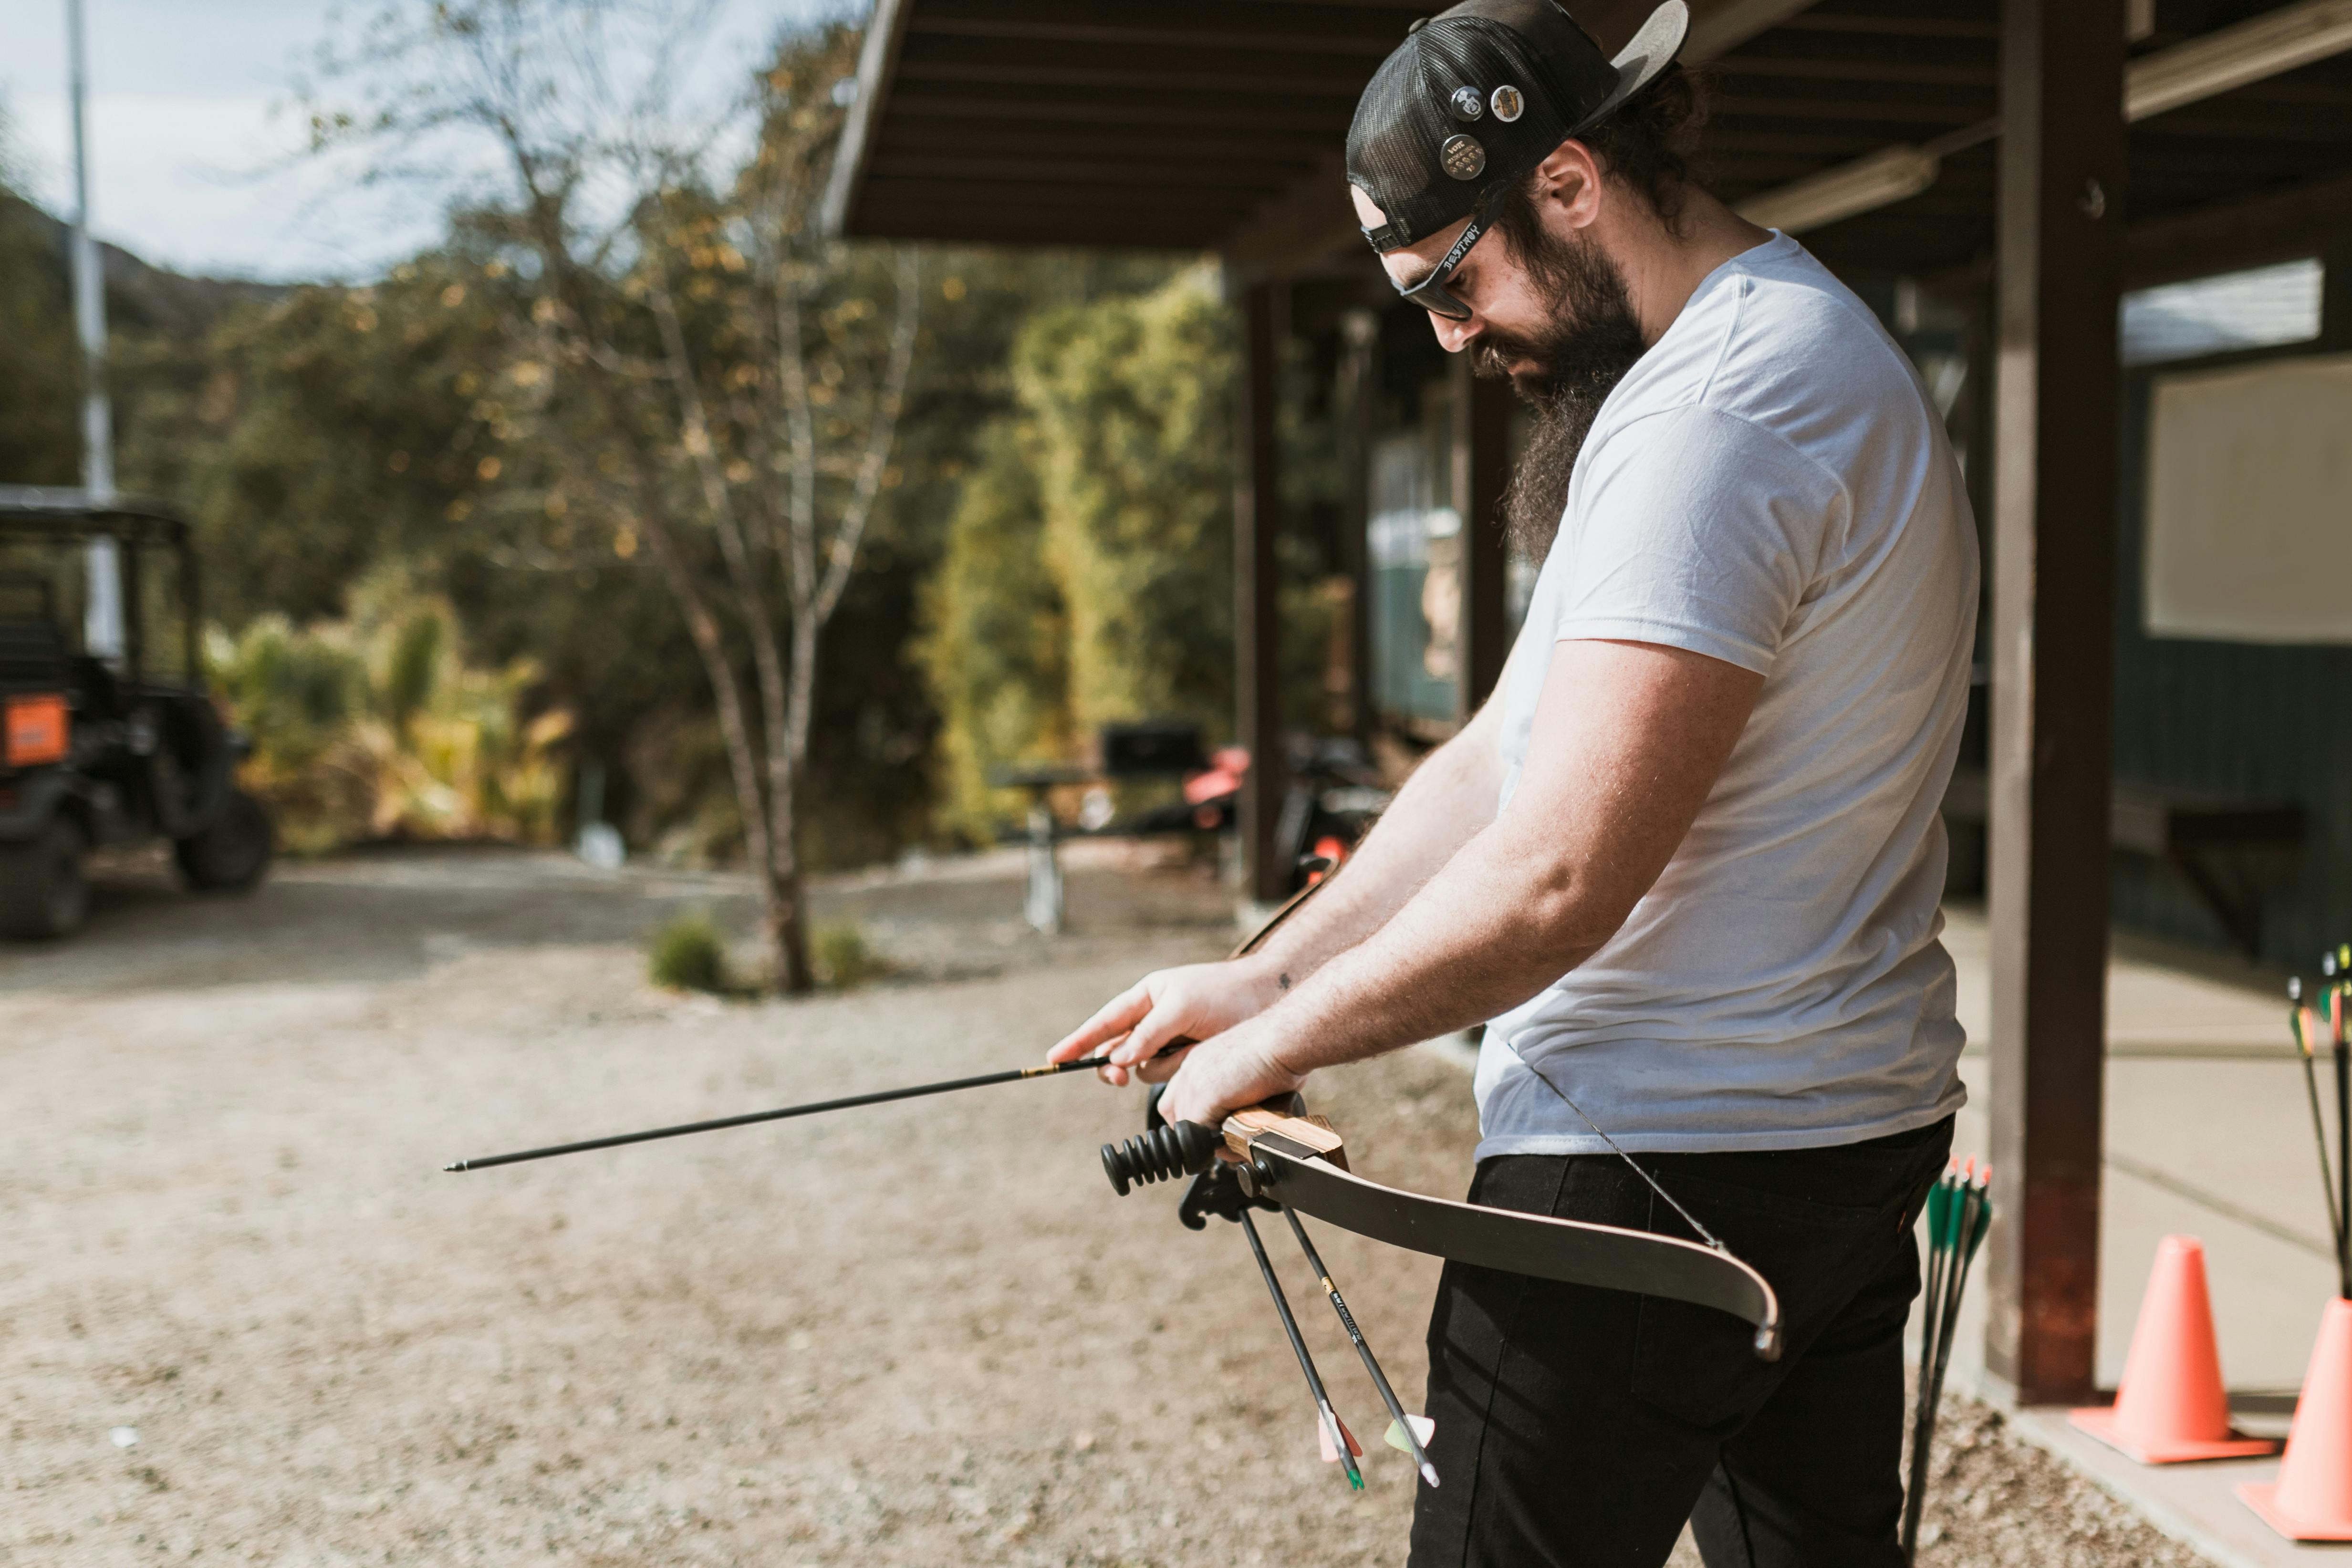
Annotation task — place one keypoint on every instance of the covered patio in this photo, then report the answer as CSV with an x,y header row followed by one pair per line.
x,y
1996,178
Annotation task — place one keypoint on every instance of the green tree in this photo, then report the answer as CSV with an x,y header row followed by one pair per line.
x,y
1087,573
318,433
708,374
1131,403
996,644
40,433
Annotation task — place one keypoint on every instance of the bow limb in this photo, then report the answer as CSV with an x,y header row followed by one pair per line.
x,y
1574,1252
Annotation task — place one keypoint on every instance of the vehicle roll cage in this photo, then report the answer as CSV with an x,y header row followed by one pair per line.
x,y
69,516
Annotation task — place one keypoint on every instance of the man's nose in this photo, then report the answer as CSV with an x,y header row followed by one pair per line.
x,y
1453,336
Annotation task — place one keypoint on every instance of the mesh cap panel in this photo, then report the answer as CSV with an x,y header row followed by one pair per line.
x,y
1474,98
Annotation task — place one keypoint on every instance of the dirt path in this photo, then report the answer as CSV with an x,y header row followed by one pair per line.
x,y
918,1334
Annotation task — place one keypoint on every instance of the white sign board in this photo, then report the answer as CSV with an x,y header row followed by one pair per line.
x,y
2250,503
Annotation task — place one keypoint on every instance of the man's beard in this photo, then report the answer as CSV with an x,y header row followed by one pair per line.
x,y
1591,340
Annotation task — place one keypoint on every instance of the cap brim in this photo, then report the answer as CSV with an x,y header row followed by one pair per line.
x,y
1652,49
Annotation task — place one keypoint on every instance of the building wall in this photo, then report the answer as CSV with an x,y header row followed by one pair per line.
x,y
2260,722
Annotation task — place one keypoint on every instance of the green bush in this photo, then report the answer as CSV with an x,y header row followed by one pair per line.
x,y
838,950
375,726
689,954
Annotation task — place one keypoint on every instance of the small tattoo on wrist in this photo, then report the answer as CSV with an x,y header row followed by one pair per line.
x,y
1283,979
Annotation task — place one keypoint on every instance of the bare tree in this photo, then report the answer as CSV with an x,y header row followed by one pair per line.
x,y
725,383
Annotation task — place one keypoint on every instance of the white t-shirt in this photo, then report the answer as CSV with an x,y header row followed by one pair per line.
x,y
1768,486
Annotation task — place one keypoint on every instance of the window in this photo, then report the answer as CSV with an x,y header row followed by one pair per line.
x,y
2228,311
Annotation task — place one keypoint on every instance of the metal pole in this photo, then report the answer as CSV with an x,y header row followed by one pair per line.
x,y
102,619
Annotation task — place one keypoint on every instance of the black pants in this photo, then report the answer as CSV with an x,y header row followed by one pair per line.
x,y
1578,1425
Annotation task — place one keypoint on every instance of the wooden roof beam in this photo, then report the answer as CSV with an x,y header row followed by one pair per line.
x,y
1285,74
1254,180
994,102
2276,226
1150,145
885,29
1368,31
2277,41
1914,109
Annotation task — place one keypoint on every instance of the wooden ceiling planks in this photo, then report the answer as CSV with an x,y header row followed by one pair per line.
x,y
1217,124
1103,122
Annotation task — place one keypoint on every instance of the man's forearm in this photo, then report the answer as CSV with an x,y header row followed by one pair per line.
x,y
1631,739
1476,940
1445,802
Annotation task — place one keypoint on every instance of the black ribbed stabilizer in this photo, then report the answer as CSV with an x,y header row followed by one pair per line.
x,y
1170,1150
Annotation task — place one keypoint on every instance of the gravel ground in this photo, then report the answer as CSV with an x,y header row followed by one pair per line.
x,y
922,1335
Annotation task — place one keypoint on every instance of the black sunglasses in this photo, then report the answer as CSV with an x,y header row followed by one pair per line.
x,y
1430,293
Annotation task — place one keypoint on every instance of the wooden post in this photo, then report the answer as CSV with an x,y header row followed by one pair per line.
x,y
1257,619
2059,243
1360,421
1482,434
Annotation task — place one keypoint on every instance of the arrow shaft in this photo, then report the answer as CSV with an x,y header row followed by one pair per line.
x,y
846,1103
1355,1337
1298,1348
2303,1021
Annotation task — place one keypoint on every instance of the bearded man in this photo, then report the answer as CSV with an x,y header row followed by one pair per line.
x,y
1686,863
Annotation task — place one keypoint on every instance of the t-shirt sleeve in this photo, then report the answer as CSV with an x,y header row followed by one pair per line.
x,y
1697,530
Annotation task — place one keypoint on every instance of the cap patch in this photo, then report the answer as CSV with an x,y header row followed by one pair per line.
x,y
1507,104
1466,104
1462,157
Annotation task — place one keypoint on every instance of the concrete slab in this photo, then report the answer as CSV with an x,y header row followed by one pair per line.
x,y
2209,1133
2196,1504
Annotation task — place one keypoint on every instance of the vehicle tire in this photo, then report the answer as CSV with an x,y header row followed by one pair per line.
x,y
43,892
231,855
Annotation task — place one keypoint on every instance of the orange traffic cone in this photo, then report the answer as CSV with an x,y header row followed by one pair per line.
x,y
2172,1405
2312,1498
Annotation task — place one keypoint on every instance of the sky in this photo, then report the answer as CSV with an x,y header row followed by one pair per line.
x,y
196,140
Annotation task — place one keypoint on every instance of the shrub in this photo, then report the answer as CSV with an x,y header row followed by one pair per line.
x,y
838,950
689,954
374,726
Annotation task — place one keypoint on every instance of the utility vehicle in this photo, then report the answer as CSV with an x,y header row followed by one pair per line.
x,y
110,738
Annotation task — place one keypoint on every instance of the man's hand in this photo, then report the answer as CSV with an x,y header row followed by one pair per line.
x,y
1193,1002
1238,1068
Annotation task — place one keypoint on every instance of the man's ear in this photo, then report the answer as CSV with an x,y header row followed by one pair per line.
x,y
1568,179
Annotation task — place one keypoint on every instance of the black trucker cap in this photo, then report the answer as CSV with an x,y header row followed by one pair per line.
x,y
1478,95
